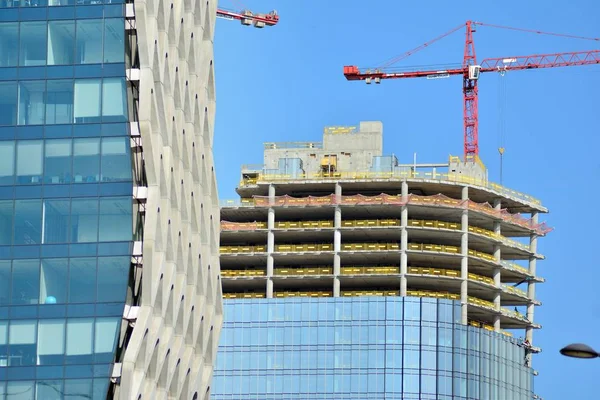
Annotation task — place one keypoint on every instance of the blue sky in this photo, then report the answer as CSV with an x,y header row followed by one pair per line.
x,y
286,83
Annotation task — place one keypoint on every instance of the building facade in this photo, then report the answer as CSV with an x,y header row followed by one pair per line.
x,y
347,274
108,251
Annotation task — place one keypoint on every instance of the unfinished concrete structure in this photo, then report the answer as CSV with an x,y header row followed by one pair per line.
x,y
339,219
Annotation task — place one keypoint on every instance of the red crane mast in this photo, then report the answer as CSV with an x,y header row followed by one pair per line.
x,y
470,71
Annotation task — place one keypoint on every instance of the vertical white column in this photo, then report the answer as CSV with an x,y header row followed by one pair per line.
x,y
497,270
270,241
337,240
404,240
464,261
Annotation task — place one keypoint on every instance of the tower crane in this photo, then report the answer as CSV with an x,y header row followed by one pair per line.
x,y
470,70
247,17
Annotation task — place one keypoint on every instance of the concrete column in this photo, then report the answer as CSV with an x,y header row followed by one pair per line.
x,y
464,261
271,194
497,270
338,193
404,240
337,240
270,250
531,285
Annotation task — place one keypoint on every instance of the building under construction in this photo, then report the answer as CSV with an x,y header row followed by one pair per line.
x,y
337,226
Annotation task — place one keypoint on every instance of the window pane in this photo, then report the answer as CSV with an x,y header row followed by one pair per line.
x,y
31,102
105,341
114,101
89,41
59,102
28,222
79,340
4,291
87,100
23,390
25,281
53,281
33,43
82,280
29,161
78,389
57,161
9,42
8,103
51,342
86,160
116,160
114,43
61,42
84,220
115,219
113,277
55,221
51,390
7,163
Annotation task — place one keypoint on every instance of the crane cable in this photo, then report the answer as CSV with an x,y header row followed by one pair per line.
x,y
501,117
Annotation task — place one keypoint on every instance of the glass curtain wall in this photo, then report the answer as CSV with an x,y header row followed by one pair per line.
x,y
66,209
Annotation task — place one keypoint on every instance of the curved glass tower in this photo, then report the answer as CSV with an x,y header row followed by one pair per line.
x,y
101,294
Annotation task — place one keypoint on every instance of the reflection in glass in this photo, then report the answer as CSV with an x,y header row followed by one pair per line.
x,y
22,343
59,102
29,161
8,103
53,281
25,281
51,342
84,220
61,42
114,100
9,42
115,219
86,160
89,41
31,102
23,388
105,339
80,336
116,160
55,221
113,277
87,100
57,161
50,390
114,43
4,290
33,45
28,222
82,280
7,163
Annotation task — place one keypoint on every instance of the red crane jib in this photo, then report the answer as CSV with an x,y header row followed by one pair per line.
x,y
470,91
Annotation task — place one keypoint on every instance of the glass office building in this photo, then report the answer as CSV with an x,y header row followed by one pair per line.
x,y
74,188
364,349
347,275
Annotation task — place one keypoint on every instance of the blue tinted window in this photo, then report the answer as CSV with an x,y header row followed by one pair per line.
x,y
55,219
8,103
28,222
114,43
59,102
84,220
89,41
5,267
116,160
25,281
7,163
80,338
61,42
9,42
53,282
57,161
115,219
32,102
33,43
114,100
82,280
51,343
87,100
86,160
29,161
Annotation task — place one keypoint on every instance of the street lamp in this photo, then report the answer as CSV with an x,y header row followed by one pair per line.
x,y
579,350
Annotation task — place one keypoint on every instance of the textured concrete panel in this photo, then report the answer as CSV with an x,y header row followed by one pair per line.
x,y
171,350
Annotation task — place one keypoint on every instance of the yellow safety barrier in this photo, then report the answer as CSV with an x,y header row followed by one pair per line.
x,y
487,327
372,270
358,293
482,303
242,272
295,248
244,295
396,175
303,271
303,294
242,249
514,290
